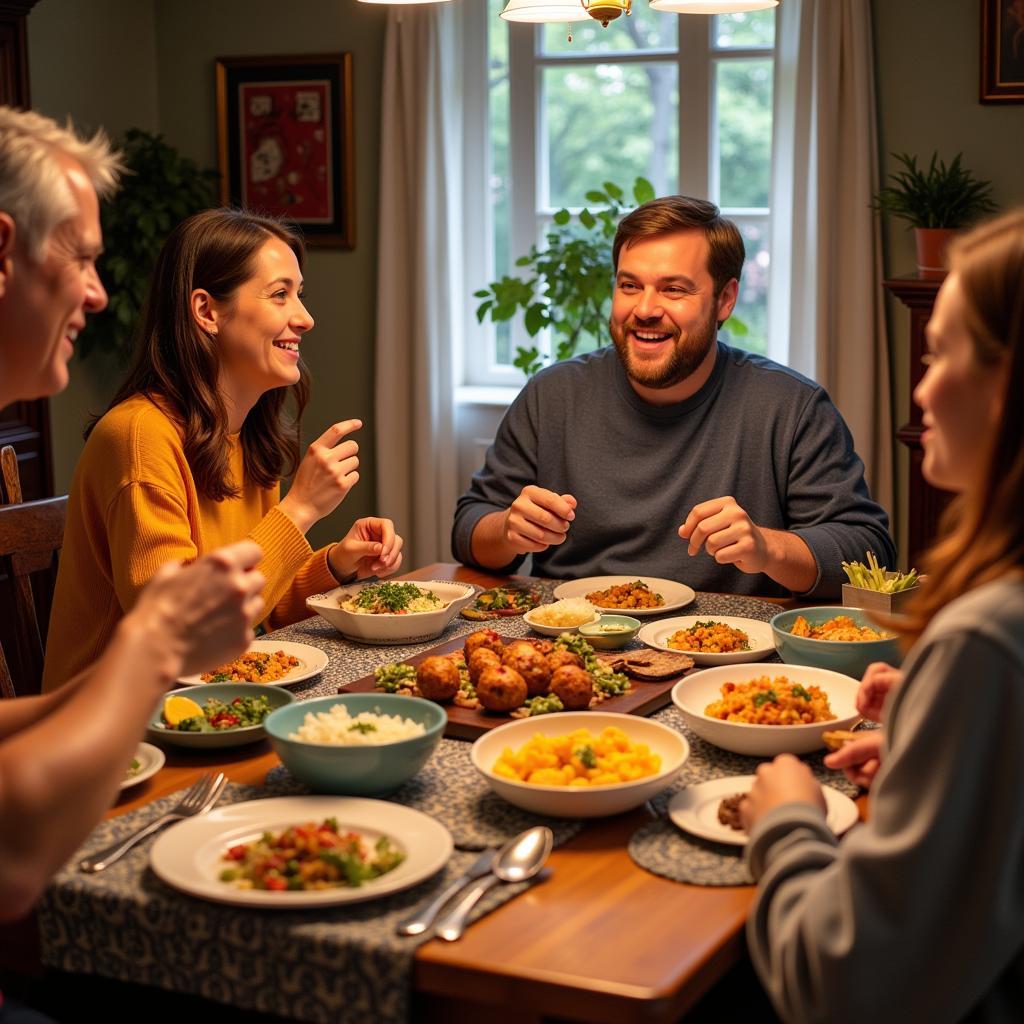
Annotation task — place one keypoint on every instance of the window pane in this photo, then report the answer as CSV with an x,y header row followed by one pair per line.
x,y
644,29
500,182
744,108
752,307
609,122
754,28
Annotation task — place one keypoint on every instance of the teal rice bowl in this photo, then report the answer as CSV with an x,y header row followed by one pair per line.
x,y
368,768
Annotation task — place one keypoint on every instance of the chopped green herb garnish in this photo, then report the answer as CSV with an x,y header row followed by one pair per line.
x,y
587,756
799,691
363,727
766,697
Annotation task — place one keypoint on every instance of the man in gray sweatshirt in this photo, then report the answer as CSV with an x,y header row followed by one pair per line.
x,y
673,454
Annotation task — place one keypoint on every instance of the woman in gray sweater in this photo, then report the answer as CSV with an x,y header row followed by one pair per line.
x,y
919,914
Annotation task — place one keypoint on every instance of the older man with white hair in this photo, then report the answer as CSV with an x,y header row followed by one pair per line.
x,y
62,755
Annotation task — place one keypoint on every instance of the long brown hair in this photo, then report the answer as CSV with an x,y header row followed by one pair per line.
x,y
177,363
982,532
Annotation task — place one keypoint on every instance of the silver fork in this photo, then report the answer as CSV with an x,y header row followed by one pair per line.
x,y
197,800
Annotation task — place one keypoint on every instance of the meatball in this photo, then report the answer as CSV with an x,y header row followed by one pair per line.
x,y
556,659
481,658
501,688
542,644
530,664
437,678
573,686
483,638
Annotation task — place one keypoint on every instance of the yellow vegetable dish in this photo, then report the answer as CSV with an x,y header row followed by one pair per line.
x,y
578,759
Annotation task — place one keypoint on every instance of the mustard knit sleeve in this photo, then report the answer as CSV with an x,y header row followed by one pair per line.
x,y
314,577
293,572
146,527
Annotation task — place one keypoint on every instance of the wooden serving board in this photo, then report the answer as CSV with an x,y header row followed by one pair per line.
x,y
469,723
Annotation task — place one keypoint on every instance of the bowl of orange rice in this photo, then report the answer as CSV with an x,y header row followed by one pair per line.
x,y
766,709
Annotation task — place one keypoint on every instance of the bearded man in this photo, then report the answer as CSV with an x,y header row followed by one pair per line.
x,y
673,454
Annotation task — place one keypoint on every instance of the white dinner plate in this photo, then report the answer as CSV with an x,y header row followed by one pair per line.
x,y
695,809
676,595
762,642
188,855
312,661
151,760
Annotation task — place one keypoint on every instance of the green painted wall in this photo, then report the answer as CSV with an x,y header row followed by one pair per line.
x,y
927,55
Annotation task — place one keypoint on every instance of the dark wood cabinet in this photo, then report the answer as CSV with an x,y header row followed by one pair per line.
x,y
25,425
925,503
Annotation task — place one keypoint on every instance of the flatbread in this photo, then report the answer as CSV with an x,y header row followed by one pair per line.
x,y
649,666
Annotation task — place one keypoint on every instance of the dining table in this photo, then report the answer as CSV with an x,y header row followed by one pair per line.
x,y
599,939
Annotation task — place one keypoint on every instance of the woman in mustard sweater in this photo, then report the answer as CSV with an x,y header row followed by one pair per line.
x,y
190,454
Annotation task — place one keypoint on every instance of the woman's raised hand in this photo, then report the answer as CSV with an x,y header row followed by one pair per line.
x,y
879,679
370,548
328,471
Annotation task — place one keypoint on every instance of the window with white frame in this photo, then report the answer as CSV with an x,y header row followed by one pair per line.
x,y
684,101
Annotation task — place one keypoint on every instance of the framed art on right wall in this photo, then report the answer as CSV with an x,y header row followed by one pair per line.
x,y
1002,51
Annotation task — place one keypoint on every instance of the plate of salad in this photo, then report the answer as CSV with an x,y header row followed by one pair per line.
x,y
297,852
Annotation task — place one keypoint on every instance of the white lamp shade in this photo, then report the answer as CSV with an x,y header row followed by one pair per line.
x,y
545,10
712,6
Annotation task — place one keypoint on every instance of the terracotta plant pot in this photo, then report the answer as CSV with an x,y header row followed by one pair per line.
x,y
931,250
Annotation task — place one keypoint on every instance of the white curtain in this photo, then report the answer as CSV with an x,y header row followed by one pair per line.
x,y
418,279
826,247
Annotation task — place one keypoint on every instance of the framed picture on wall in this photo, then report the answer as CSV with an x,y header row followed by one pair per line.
x,y
1002,51
284,138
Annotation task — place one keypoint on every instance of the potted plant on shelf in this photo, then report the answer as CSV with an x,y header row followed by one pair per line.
x,y
936,201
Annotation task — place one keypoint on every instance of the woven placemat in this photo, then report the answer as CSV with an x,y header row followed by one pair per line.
x,y
664,849
451,790
319,964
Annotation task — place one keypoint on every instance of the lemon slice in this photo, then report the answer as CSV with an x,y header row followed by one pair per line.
x,y
177,709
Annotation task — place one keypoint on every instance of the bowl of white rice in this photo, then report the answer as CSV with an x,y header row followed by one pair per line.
x,y
565,616
358,744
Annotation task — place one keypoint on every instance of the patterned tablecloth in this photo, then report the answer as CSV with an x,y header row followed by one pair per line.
x,y
342,964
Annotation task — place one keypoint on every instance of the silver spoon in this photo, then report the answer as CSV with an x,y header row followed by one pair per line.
x,y
423,917
518,860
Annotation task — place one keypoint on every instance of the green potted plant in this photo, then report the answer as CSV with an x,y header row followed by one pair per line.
x,y
936,202
160,189
569,282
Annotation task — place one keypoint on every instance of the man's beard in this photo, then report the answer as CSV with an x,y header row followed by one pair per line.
x,y
685,358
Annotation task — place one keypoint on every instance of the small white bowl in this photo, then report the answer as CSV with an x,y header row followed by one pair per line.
x,y
393,629
694,693
588,802
539,627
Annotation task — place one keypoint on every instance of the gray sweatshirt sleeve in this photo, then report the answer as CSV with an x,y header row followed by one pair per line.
x,y
510,465
827,501
920,911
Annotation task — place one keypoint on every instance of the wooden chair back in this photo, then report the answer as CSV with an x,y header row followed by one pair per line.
x,y
31,535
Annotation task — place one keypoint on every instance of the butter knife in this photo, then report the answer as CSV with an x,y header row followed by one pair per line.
x,y
423,917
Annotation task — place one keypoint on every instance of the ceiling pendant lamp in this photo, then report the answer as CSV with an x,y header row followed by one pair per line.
x,y
712,6
540,11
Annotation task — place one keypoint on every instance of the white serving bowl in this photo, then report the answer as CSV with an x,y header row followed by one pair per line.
x,y
571,802
539,627
694,693
393,629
